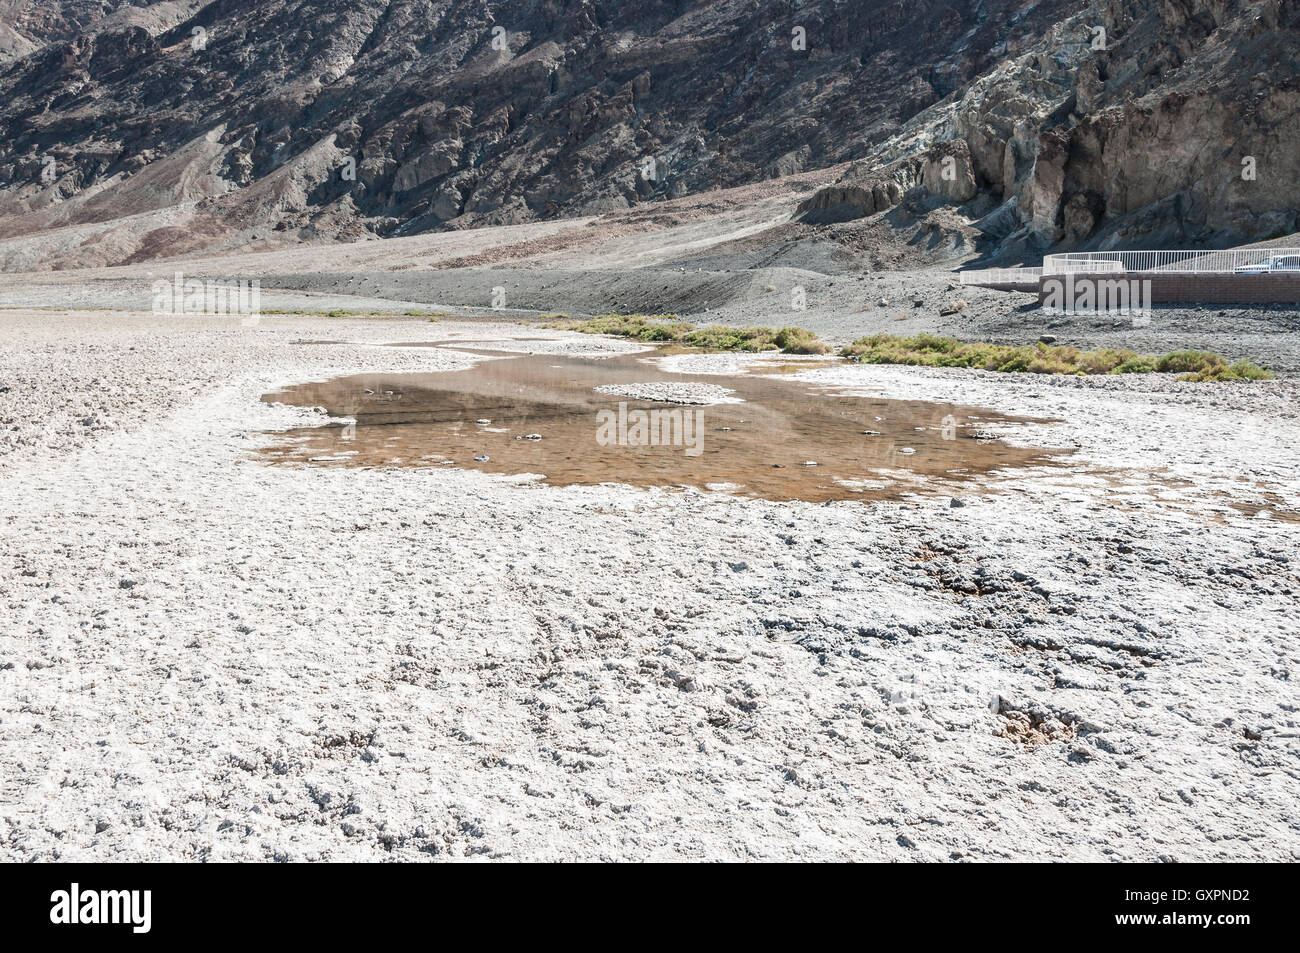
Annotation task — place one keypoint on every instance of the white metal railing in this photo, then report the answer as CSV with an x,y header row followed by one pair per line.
x,y
1000,276
1247,260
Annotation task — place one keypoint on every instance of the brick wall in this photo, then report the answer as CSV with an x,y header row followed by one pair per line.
x,y
1271,288
1028,287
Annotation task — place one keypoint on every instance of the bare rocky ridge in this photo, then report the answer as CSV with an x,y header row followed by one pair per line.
x,y
1059,135
27,25
1130,124
246,137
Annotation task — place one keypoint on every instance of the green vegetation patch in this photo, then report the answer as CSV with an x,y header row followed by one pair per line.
x,y
930,350
344,313
666,328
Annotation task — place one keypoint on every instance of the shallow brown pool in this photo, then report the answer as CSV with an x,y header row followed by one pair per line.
x,y
778,439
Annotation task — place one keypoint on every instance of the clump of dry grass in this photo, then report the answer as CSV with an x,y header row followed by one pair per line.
x,y
667,328
930,350
345,313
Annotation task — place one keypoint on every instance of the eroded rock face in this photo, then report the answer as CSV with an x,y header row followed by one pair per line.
x,y
944,171
1134,122
1198,102
26,25
467,112
1110,122
947,171
845,201
1040,201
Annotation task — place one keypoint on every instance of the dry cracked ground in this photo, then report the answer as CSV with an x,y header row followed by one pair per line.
x,y
206,657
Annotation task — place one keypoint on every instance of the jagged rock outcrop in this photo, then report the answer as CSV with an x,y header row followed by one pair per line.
x,y
1133,123
945,171
1196,111
27,25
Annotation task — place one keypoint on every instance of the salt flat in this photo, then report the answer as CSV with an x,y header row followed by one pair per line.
x,y
205,657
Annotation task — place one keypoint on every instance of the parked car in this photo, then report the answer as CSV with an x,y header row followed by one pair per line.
x,y
1272,263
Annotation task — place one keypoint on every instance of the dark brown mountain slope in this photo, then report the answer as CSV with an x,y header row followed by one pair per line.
x,y
255,127
1181,127
26,25
290,120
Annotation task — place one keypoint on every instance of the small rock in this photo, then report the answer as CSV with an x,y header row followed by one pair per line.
x,y
1047,338
906,450
955,504
482,458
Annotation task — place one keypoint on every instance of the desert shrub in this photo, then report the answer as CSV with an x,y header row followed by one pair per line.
x,y
723,338
928,350
1188,362
791,340
666,328
1015,359
932,342
1242,370
1136,365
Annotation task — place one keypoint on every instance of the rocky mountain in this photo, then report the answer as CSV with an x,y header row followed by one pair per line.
x,y
26,25
288,120
1130,124
340,118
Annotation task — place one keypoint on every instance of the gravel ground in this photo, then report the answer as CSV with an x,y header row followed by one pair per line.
x,y
202,657
839,308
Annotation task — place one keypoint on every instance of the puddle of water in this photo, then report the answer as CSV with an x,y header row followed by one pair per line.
x,y
762,445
